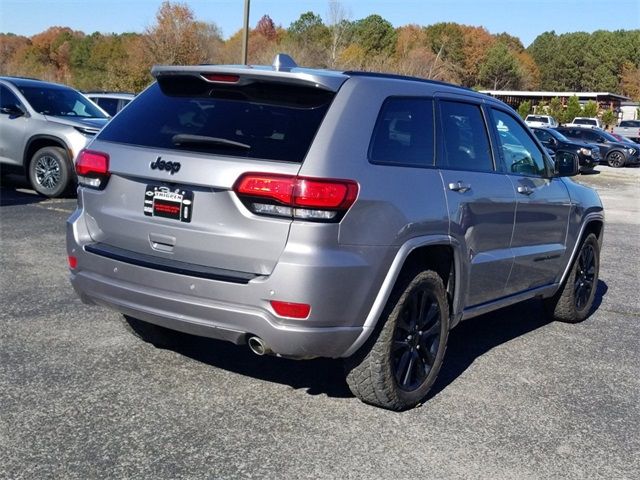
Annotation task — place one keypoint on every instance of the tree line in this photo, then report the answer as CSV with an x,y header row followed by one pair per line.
x,y
461,54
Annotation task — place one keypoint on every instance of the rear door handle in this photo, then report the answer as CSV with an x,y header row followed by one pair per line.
x,y
459,187
524,190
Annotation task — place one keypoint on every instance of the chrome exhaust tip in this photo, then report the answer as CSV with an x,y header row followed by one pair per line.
x,y
257,346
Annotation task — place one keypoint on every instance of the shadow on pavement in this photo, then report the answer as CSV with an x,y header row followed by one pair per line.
x,y
468,341
16,190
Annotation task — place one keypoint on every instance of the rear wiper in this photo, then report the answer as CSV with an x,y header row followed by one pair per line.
x,y
187,139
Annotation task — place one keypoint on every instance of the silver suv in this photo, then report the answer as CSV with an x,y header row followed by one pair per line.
x,y
312,213
42,127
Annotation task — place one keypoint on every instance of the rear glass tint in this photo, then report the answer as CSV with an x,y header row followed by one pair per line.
x,y
403,134
259,120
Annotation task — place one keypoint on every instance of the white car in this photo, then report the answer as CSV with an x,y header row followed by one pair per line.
x,y
585,122
541,121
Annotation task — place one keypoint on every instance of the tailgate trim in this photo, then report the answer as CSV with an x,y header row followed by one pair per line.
x,y
169,265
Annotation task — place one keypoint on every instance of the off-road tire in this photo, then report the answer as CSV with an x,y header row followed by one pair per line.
x,y
50,172
371,372
565,305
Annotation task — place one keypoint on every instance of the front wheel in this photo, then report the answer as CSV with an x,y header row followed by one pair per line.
x,y
397,366
615,159
50,171
573,302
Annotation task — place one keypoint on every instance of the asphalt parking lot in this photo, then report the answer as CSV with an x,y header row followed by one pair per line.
x,y
518,397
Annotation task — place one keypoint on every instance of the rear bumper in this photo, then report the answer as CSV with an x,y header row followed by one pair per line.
x,y
340,286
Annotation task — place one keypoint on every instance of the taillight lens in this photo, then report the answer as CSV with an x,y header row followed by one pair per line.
x,y
314,199
93,169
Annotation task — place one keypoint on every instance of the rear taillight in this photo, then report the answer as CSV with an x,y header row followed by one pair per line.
x,y
304,198
93,169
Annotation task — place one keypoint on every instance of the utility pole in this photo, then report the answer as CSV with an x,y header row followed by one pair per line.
x,y
245,33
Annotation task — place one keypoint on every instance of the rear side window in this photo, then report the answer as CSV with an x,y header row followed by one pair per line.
x,y
110,105
259,120
464,139
403,134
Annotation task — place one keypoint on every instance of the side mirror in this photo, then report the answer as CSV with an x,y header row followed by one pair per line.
x,y
12,110
566,164
552,141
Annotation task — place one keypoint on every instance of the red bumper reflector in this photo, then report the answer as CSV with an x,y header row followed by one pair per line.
x,y
73,262
291,310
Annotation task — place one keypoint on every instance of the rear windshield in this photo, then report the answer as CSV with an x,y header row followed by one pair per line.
x,y
584,121
630,123
260,120
533,118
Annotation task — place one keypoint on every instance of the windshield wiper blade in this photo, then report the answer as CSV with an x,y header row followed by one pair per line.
x,y
188,139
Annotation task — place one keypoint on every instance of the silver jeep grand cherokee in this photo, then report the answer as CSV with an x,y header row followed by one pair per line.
x,y
313,213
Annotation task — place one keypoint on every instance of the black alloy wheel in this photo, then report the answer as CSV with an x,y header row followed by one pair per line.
x,y
416,341
585,276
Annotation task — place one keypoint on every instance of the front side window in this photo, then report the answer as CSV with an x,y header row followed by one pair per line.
x,y
519,152
464,139
109,105
542,135
403,134
7,98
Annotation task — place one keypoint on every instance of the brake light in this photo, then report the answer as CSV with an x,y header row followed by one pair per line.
x,y
291,310
221,78
315,199
93,169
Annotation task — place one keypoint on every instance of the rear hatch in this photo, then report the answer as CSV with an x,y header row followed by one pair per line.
x,y
176,152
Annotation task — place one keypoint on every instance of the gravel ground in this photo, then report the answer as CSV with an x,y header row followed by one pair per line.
x,y
518,397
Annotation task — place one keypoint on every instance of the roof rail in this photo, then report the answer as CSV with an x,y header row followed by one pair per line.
x,y
393,76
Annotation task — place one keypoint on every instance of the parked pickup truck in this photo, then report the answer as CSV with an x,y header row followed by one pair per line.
x,y
629,129
585,122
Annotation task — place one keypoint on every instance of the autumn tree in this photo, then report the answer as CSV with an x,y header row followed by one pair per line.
x,y
177,38
630,80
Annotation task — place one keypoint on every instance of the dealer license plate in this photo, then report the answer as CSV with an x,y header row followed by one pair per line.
x,y
174,203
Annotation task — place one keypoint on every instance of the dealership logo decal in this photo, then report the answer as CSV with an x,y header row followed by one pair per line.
x,y
160,164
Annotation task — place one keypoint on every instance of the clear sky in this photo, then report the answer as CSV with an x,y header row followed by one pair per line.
x,y
523,18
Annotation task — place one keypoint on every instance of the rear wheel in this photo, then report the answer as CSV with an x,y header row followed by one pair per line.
x,y
400,362
50,171
156,335
615,159
574,300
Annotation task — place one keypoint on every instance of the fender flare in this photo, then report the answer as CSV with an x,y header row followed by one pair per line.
x,y
392,275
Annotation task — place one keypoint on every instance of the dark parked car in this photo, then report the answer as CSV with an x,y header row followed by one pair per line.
x,y
314,213
588,153
616,153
